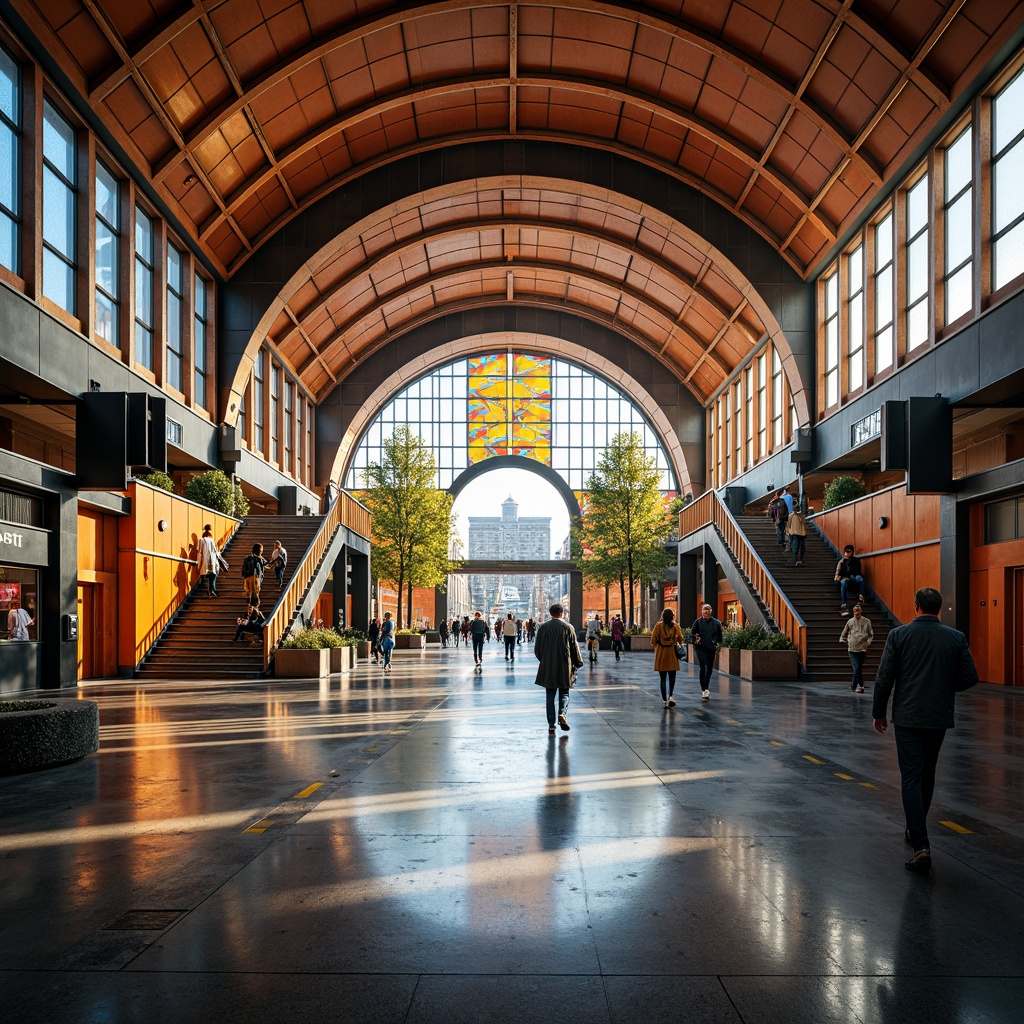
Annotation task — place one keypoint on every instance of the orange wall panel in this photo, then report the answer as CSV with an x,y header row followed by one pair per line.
x,y
154,565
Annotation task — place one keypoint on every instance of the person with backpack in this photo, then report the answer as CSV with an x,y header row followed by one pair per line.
x,y
387,639
253,567
779,512
278,560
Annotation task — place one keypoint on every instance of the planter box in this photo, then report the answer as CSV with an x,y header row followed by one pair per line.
x,y
728,660
341,658
363,650
768,664
299,664
433,637
410,641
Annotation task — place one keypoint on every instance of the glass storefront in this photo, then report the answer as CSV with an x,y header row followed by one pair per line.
x,y
19,591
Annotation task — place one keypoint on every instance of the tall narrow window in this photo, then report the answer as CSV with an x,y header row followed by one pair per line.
x,y
289,424
300,464
309,442
778,407
143,289
919,272
831,365
60,200
108,246
275,401
762,406
257,404
726,436
885,315
199,343
1007,175
243,418
855,319
737,424
174,310
10,163
750,415
958,209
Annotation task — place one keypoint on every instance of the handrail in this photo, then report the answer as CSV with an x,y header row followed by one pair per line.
x,y
709,509
344,511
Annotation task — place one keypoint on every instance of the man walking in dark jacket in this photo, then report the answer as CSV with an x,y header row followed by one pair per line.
x,y
707,638
924,665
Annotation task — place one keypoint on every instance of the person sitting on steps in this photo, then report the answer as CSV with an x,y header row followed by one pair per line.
x,y
252,624
848,572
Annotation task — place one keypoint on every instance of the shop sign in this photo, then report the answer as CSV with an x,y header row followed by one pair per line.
x,y
671,591
23,545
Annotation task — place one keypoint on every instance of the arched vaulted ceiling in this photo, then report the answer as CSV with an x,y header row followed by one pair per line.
x,y
789,114
532,241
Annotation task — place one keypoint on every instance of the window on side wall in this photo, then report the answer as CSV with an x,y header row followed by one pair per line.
x,y
60,202
199,344
830,292
1007,178
885,307
958,210
855,320
919,270
10,162
143,289
175,306
108,255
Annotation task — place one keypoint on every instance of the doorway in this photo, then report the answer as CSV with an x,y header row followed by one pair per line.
x,y
1018,627
86,627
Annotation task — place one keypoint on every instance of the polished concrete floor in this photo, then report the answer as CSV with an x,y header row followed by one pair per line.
x,y
416,848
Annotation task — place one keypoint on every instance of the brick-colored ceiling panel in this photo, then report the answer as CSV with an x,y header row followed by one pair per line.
x,y
281,100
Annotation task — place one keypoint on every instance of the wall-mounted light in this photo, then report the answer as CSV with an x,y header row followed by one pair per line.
x,y
162,525
882,522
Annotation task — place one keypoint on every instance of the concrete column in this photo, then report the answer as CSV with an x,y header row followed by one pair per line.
x,y
954,563
689,588
576,599
710,579
359,587
440,605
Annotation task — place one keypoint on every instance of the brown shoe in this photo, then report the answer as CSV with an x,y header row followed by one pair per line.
x,y
563,723
921,862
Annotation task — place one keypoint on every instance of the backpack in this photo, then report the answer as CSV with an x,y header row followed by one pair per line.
x,y
251,567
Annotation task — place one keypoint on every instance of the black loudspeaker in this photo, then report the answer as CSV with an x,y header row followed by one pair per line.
x,y
101,441
803,445
147,432
287,500
929,446
894,435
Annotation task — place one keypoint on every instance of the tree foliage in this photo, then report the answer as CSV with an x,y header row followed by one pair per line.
x,y
625,520
412,521
841,490
158,479
213,489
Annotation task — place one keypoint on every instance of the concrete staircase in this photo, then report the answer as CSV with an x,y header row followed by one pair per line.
x,y
196,643
815,596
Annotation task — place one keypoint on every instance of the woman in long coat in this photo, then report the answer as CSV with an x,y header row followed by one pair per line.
x,y
664,637
559,655
210,561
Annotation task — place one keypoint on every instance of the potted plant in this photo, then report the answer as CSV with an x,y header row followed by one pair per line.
x,y
410,640
303,656
768,655
357,638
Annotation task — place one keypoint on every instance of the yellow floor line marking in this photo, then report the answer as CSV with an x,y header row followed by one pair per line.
x,y
868,785
957,828
840,775
732,721
776,743
751,732
258,831
813,760
308,791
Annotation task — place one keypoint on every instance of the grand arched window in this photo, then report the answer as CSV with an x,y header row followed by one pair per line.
x,y
511,403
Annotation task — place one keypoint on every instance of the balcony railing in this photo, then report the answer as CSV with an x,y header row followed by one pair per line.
x,y
344,511
709,509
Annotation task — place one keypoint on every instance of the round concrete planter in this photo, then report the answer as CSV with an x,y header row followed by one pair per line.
x,y
46,733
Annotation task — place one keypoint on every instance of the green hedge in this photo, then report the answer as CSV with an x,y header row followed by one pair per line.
x,y
755,638
317,640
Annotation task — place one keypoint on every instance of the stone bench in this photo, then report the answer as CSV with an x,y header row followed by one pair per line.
x,y
46,733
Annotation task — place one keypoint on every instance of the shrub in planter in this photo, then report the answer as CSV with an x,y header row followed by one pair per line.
x,y
158,479
213,489
409,640
841,490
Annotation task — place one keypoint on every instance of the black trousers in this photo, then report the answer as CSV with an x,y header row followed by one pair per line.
x,y
510,647
478,648
707,665
918,753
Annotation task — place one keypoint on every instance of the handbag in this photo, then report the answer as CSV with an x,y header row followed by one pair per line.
x,y
680,652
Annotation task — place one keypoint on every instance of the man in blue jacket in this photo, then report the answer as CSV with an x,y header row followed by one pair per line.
x,y
924,665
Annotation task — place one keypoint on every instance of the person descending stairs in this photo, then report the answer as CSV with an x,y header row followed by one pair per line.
x,y
197,643
813,593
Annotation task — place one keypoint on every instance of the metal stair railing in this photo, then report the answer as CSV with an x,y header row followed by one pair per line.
x,y
344,511
709,509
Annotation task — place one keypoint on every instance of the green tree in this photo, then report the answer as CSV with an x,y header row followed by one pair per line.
x,y
158,479
626,519
214,490
412,521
